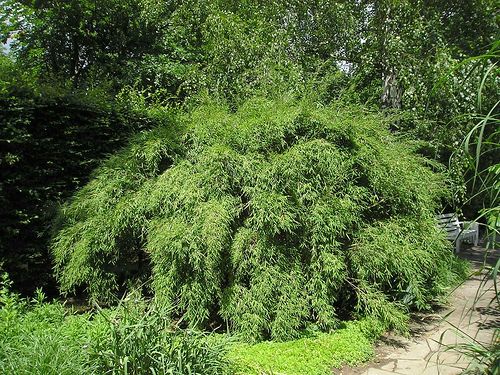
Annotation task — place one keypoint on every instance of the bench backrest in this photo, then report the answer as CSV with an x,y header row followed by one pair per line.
x,y
450,224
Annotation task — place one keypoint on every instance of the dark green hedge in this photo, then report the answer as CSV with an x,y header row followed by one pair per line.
x,y
51,138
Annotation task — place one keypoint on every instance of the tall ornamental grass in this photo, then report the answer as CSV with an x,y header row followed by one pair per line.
x,y
481,152
277,216
37,338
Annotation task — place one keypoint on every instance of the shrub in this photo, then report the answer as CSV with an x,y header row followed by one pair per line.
x,y
275,215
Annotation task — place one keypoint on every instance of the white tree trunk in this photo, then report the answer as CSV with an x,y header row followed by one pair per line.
x,y
391,89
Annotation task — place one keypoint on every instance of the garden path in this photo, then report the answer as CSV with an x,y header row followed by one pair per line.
x,y
425,352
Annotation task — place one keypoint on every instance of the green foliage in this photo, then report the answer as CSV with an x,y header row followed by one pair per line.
x,y
135,337
481,146
315,354
409,46
480,149
79,39
36,337
139,338
51,138
276,215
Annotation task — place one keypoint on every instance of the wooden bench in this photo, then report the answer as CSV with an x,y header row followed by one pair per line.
x,y
457,231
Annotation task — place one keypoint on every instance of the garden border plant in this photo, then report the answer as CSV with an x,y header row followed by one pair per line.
x,y
133,337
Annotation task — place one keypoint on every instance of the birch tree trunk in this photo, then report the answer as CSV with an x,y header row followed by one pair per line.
x,y
392,91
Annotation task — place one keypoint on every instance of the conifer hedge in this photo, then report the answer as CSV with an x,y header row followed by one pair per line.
x,y
273,217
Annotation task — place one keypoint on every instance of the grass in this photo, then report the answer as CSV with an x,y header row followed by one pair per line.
x,y
135,337
39,337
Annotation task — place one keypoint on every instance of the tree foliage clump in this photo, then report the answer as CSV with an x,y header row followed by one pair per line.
x,y
274,217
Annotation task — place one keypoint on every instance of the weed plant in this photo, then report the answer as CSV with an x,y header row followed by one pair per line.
x,y
280,214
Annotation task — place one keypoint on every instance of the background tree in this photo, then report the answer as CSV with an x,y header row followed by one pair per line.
x,y
80,40
181,52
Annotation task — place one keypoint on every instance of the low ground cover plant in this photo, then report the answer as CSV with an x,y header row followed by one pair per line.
x,y
134,337
316,353
281,214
